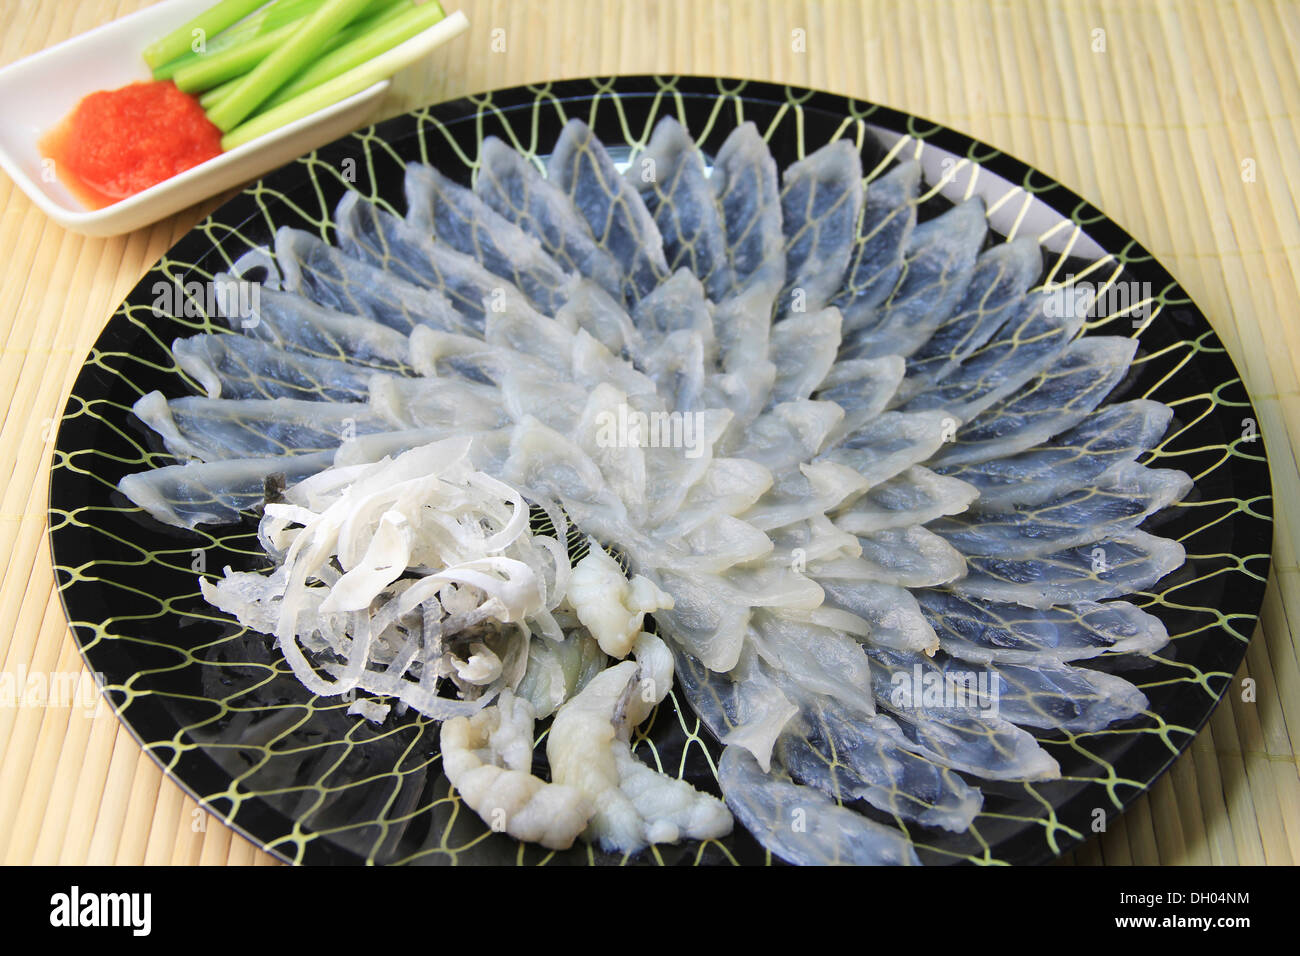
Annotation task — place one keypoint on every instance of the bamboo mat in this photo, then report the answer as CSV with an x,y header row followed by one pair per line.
x,y
1155,128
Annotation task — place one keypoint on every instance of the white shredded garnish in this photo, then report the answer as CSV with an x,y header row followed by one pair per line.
x,y
400,574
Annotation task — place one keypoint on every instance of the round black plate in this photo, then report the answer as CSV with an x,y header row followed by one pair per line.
x,y
218,708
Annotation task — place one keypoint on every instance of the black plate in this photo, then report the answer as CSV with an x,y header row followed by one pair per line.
x,y
218,708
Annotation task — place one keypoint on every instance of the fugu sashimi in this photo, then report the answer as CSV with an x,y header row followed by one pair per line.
x,y
865,474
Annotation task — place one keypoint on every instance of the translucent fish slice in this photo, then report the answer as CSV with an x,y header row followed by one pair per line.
x,y
816,659
803,351
677,305
613,210
891,611
852,756
454,215
892,442
201,493
515,188
1124,564
745,708
1109,437
671,178
937,268
1058,399
911,557
215,429
888,218
801,824
982,631
1028,343
918,496
372,235
821,201
1046,694
294,323
745,183
1056,696
327,277
862,387
1123,498
237,366
998,286
970,737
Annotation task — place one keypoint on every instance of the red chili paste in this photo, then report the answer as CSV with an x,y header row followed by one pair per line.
x,y
117,143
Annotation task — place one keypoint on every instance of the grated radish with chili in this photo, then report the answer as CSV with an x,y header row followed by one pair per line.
x,y
117,143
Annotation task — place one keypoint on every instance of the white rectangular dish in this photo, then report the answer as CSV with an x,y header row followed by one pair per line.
x,y
38,91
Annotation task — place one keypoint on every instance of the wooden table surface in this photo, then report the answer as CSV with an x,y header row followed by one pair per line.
x,y
1178,119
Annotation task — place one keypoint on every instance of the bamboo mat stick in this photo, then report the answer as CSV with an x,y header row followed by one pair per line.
x,y
119,795
146,785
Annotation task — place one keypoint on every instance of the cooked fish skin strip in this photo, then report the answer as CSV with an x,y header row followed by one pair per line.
x,y
587,748
345,541
608,604
487,757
